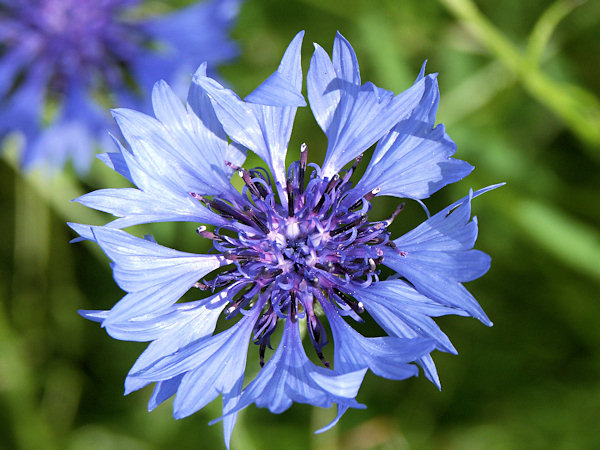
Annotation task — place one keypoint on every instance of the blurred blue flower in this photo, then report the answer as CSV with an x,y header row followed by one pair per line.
x,y
57,57
294,249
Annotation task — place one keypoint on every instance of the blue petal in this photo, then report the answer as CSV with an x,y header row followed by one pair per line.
x,y
388,357
352,116
199,317
262,128
201,360
414,159
155,276
164,390
437,256
197,325
402,311
181,153
116,162
84,231
134,207
276,91
289,376
158,200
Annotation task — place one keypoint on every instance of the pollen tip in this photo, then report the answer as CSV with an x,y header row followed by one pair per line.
x,y
232,165
201,229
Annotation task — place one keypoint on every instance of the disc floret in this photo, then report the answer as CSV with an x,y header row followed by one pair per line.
x,y
312,245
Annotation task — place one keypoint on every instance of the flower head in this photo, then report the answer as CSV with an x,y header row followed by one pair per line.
x,y
296,249
58,56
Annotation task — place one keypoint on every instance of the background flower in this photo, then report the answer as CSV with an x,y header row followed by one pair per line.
x,y
58,57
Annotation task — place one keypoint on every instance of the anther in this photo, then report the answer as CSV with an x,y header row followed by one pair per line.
x,y
208,234
351,170
357,307
245,175
290,194
293,312
266,274
261,353
332,183
230,256
389,221
372,265
328,189
303,162
361,219
400,252
248,210
356,205
228,211
328,267
200,198
200,285
357,161
369,195
323,360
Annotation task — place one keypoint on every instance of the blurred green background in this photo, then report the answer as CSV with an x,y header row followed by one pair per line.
x,y
519,84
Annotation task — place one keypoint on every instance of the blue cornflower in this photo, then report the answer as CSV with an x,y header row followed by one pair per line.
x,y
295,249
57,57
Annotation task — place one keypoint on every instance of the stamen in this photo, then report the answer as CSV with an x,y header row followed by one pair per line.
x,y
372,265
200,198
362,219
329,267
248,210
302,170
328,189
293,311
332,183
290,193
400,252
356,205
245,175
228,211
232,165
261,353
323,360
357,161
230,256
369,195
357,307
299,250
389,221
351,170
208,234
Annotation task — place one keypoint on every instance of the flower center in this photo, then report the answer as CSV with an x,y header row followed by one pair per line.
x,y
312,246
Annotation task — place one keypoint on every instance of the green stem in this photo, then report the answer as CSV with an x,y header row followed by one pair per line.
x,y
579,109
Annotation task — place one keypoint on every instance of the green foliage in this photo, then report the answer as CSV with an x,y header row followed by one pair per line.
x,y
517,95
